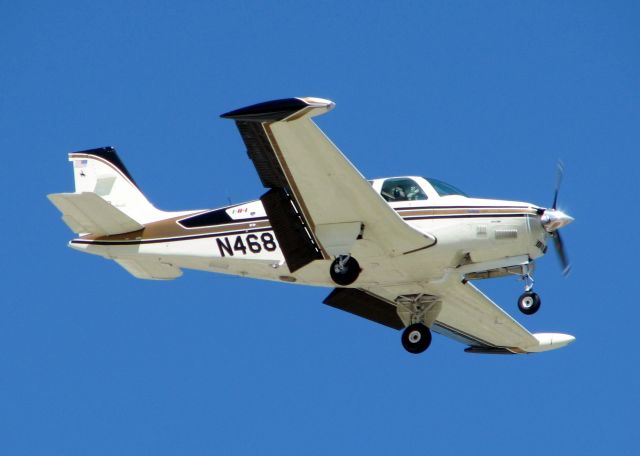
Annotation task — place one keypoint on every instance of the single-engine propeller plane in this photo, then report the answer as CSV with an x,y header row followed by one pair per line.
x,y
399,251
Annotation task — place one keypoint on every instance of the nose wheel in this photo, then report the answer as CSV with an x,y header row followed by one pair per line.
x,y
529,302
344,270
416,338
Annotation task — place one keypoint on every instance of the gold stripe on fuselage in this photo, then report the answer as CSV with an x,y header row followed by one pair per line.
x,y
170,229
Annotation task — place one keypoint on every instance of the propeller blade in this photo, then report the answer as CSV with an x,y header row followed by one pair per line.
x,y
562,254
559,175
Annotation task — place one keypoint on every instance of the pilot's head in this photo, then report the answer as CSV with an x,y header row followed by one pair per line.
x,y
398,192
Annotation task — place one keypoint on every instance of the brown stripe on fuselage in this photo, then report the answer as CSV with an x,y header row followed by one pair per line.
x,y
170,229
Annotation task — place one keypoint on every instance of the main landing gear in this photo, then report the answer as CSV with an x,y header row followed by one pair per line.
x,y
418,312
416,338
529,301
344,270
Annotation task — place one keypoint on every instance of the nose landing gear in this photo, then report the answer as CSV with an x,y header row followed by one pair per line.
x,y
529,301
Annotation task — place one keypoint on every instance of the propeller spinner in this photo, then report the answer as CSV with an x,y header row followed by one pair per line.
x,y
553,219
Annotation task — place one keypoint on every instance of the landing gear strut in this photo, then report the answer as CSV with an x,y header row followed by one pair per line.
x,y
416,338
529,301
344,270
418,312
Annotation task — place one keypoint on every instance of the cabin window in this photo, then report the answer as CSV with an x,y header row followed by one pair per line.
x,y
402,189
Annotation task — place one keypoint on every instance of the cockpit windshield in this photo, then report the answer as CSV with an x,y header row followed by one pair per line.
x,y
443,188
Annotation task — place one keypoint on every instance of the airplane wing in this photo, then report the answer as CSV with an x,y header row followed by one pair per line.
x,y
466,315
319,204
470,317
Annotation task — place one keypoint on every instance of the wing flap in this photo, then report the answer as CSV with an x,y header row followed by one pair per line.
x,y
297,244
87,212
365,305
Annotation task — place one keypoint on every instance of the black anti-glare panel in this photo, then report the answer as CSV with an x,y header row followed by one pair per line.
x,y
365,305
295,242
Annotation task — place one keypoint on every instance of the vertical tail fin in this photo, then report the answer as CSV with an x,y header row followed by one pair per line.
x,y
101,171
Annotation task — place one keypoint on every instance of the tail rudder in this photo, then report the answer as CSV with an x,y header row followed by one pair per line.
x,y
101,171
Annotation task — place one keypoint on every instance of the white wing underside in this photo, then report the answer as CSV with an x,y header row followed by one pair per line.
x,y
336,197
337,204
467,315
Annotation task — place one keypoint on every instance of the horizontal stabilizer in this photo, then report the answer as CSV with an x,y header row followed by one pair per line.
x,y
149,269
88,213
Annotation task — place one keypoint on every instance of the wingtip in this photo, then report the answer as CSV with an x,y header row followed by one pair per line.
x,y
551,341
275,110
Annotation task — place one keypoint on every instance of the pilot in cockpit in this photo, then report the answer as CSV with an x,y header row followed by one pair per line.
x,y
401,189
406,192
398,193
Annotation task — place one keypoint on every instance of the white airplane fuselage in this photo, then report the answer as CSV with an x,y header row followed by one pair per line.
x,y
476,234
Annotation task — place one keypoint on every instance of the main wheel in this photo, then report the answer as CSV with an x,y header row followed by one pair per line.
x,y
416,338
344,271
529,302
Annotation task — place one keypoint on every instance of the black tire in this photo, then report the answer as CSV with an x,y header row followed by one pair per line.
x,y
529,302
416,338
346,274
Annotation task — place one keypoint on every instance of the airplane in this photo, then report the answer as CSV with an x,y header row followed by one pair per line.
x,y
399,251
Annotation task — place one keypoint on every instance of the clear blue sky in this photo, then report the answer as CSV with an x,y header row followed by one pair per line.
x,y
486,95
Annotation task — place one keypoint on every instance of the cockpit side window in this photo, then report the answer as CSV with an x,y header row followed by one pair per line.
x,y
402,189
